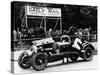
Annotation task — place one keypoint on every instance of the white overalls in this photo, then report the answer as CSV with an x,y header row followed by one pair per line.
x,y
76,44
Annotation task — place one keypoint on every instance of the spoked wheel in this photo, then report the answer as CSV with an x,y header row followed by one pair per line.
x,y
88,54
74,57
39,61
23,61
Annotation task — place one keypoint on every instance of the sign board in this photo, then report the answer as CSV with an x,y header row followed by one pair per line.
x,y
43,11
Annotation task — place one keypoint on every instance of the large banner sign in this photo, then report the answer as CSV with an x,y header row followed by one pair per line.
x,y
43,11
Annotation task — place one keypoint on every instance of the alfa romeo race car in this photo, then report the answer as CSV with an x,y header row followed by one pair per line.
x,y
47,50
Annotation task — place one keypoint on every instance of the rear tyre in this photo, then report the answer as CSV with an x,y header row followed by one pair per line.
x,y
88,54
39,61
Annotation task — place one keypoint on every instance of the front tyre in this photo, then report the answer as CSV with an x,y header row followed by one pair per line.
x,y
23,61
88,54
39,61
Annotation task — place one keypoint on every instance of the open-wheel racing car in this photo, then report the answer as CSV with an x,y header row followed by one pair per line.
x,y
47,50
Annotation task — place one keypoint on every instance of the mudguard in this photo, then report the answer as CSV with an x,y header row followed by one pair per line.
x,y
86,44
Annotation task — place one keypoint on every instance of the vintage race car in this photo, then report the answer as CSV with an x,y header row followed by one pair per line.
x,y
47,50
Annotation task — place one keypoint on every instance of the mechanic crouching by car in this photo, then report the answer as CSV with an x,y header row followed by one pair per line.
x,y
76,45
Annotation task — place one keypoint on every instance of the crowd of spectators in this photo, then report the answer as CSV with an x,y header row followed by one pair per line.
x,y
40,32
87,33
28,33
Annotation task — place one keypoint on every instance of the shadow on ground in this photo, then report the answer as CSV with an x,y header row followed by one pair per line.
x,y
67,63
